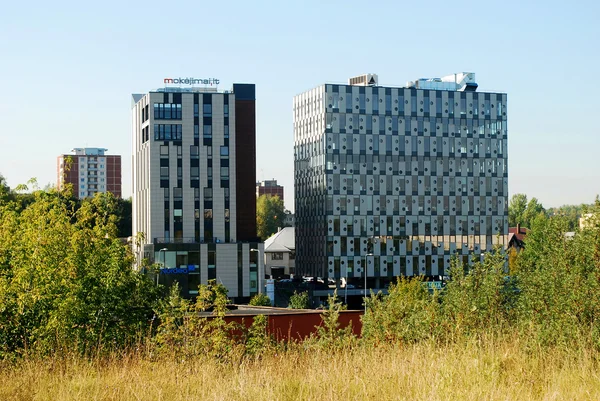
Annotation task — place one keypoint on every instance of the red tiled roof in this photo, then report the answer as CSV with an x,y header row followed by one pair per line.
x,y
521,234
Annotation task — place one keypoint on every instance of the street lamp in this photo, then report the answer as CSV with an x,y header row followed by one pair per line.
x,y
346,287
370,242
365,271
164,261
261,274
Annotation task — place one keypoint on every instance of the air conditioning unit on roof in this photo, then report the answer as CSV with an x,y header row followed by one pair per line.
x,y
364,80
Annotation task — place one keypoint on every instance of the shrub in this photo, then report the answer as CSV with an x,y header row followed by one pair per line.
x,y
408,314
299,301
260,300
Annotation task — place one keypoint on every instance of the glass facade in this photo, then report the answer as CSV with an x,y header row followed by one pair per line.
x,y
419,173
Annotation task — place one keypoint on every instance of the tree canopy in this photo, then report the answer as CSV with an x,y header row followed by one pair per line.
x,y
523,212
65,277
270,215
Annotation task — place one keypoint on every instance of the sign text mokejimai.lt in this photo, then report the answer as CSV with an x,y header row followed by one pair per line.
x,y
191,81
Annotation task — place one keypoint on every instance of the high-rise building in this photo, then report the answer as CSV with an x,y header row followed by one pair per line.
x,y
194,170
398,178
269,187
89,170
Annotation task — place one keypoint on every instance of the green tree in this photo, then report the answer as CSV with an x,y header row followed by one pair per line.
x,y
270,215
533,209
521,211
66,281
516,209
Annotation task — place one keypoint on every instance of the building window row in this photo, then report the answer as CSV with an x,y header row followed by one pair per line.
x,y
167,132
167,111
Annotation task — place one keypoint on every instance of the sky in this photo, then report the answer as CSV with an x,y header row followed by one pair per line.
x,y
69,68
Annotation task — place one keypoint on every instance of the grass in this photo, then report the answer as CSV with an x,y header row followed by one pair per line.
x,y
426,371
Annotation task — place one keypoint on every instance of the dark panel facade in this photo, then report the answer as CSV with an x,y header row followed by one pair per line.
x,y
245,144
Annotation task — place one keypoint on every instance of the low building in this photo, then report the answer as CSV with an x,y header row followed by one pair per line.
x,y
280,253
516,237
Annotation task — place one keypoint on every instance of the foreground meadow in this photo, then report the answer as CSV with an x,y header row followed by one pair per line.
x,y
492,371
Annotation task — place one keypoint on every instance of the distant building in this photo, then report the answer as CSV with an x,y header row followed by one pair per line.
x,y
194,168
516,237
280,253
290,219
586,221
270,188
89,171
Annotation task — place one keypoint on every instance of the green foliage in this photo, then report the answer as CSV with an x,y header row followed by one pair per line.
x,y
66,281
570,213
478,298
560,281
329,335
408,314
260,300
522,212
257,339
270,215
299,301
212,296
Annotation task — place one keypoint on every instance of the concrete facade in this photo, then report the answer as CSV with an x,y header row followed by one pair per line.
x,y
89,171
185,186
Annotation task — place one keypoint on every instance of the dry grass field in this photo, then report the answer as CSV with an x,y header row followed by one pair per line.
x,y
493,371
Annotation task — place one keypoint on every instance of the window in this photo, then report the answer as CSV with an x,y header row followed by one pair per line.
x,y
83,180
194,152
82,186
208,214
194,171
177,193
167,111
208,193
224,172
226,110
277,256
207,110
196,109
226,131
164,150
207,131
164,172
167,132
224,150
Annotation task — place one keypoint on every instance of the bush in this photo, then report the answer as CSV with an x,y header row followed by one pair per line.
x,y
408,314
260,300
299,301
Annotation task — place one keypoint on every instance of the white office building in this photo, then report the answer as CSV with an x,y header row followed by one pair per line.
x,y
193,186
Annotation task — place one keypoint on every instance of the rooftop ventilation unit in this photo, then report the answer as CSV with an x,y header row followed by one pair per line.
x,y
462,82
364,80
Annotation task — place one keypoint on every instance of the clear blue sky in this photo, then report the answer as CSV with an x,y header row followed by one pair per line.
x,y
68,70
